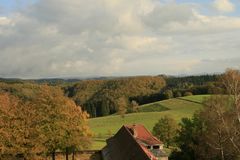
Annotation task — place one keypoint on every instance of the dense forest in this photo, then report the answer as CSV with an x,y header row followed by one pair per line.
x,y
101,97
202,84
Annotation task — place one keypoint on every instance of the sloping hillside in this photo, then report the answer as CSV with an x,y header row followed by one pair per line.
x,y
104,127
196,98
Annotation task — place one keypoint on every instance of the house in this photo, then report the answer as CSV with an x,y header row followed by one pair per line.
x,y
133,142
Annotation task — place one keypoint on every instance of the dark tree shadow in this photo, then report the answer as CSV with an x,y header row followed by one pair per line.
x,y
96,156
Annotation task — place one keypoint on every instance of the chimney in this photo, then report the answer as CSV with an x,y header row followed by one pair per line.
x,y
134,131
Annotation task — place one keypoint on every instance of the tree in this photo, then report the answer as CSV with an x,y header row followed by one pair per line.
x,y
168,94
40,124
105,108
64,124
122,106
78,134
103,94
214,132
231,82
134,107
165,130
188,94
19,128
221,134
189,135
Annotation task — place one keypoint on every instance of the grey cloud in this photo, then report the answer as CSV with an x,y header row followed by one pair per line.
x,y
162,15
73,16
216,65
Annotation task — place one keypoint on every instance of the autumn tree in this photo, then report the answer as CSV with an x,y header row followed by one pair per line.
x,y
78,135
188,94
168,94
64,124
42,123
165,130
19,128
122,106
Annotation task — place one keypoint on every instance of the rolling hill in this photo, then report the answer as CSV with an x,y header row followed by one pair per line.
x,y
149,114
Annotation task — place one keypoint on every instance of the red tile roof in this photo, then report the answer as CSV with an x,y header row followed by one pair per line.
x,y
140,133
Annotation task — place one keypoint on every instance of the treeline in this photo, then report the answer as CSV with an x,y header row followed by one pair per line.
x,y
186,81
38,120
192,85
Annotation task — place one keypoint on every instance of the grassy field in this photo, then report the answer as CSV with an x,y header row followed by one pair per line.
x,y
197,98
149,114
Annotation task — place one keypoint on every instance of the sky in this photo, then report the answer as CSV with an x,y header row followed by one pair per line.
x,y
79,38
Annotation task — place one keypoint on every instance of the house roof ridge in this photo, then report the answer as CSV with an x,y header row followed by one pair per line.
x,y
149,134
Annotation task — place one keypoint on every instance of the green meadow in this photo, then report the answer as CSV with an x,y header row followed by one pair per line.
x,y
149,114
196,98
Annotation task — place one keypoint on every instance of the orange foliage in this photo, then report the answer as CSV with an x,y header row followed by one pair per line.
x,y
44,123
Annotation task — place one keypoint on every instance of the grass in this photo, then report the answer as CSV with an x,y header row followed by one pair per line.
x,y
197,98
149,114
156,107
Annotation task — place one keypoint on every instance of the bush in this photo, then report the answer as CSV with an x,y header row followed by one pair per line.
x,y
188,94
168,94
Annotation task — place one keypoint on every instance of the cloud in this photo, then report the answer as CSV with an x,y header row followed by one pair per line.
x,y
62,38
175,20
224,5
217,65
4,21
164,15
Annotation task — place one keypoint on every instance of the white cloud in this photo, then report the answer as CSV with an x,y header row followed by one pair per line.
x,y
4,21
224,5
206,24
139,44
